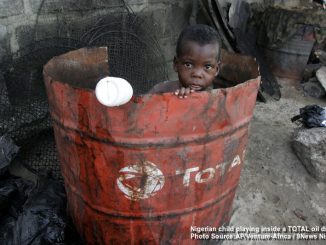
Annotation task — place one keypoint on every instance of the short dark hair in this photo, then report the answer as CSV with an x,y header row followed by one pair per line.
x,y
199,33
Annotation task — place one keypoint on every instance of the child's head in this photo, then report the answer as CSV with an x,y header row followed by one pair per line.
x,y
198,53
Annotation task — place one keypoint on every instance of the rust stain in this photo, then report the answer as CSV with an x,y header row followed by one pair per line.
x,y
149,169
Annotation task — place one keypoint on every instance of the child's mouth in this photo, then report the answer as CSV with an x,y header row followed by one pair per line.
x,y
195,87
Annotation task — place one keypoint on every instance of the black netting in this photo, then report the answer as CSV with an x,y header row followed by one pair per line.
x,y
133,51
40,154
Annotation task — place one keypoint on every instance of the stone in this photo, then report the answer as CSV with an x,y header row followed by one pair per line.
x,y
4,43
287,4
3,32
310,147
160,1
24,35
321,76
310,71
313,88
11,7
3,55
55,6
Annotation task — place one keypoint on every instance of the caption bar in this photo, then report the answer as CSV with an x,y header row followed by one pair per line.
x,y
261,233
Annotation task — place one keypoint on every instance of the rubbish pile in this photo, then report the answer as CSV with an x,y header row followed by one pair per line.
x,y
31,212
311,116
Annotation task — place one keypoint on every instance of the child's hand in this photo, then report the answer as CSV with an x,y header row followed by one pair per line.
x,y
183,92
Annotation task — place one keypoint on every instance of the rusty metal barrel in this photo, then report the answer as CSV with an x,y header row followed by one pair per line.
x,y
155,169
291,58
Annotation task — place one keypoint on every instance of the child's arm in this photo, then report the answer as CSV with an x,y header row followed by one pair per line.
x,y
171,86
164,87
175,87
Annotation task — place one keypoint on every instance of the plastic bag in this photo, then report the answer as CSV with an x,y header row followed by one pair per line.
x,y
31,214
43,217
34,215
13,194
311,116
8,150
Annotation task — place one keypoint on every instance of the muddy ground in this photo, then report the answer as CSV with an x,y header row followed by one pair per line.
x,y
275,189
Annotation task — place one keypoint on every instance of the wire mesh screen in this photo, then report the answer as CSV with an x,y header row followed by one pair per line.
x,y
133,52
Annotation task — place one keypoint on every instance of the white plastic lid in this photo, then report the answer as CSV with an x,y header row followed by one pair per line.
x,y
113,91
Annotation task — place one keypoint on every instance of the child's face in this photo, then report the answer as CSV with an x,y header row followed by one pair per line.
x,y
197,66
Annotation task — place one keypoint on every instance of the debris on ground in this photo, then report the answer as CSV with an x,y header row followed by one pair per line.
x,y
310,147
31,213
311,116
313,88
8,150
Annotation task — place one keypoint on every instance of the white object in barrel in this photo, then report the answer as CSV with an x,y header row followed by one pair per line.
x,y
113,91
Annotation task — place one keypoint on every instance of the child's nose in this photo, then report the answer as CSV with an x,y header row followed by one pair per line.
x,y
197,72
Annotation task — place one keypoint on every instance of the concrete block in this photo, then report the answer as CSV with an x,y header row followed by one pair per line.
x,y
136,2
24,35
3,32
49,30
11,7
3,58
57,6
310,147
173,76
321,76
170,20
287,3
4,43
168,47
160,1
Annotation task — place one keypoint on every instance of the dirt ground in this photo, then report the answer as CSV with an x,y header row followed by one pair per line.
x,y
275,189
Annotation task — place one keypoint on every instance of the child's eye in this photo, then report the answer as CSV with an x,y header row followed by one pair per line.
x,y
187,65
208,66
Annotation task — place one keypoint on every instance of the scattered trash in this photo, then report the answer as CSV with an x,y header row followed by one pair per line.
x,y
31,213
43,218
311,116
8,150
13,194
299,213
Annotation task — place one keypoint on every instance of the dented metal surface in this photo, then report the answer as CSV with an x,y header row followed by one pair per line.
x,y
147,171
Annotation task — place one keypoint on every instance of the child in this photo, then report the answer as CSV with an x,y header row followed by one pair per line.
x,y
196,62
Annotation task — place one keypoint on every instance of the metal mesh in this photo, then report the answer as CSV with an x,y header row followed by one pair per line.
x,y
40,154
133,51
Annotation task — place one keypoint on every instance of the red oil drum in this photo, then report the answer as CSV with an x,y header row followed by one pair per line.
x,y
155,169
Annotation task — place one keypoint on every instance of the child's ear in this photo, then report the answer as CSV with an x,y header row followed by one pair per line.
x,y
218,67
175,64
